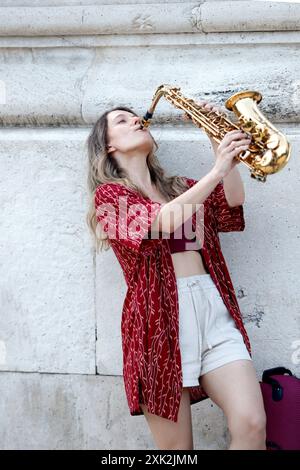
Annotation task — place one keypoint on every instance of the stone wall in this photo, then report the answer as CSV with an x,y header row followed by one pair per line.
x,y
62,64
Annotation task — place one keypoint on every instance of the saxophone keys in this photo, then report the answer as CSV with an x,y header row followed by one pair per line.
x,y
273,142
244,154
267,158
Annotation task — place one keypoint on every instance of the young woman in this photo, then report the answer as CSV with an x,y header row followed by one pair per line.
x,y
183,338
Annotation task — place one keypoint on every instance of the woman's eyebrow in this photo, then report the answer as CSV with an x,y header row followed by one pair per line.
x,y
118,115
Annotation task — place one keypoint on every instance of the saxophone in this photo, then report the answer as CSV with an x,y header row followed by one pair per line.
x,y
269,150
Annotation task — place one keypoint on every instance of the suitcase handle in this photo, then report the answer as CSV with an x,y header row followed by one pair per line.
x,y
275,371
277,390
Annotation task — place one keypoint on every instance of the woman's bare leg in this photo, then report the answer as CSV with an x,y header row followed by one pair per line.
x,y
169,435
235,388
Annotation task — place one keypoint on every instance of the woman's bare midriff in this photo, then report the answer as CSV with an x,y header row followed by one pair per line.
x,y
188,263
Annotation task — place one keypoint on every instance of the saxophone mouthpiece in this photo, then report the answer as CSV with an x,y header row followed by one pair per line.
x,y
146,120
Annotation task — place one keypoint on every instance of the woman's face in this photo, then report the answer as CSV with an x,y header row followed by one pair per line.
x,y
124,134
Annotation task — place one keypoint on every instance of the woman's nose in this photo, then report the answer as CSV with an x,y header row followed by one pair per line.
x,y
136,120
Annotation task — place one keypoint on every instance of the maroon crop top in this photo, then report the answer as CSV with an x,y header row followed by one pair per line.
x,y
181,242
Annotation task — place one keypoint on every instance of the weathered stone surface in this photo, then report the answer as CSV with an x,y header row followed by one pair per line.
x,y
47,321
57,411
61,65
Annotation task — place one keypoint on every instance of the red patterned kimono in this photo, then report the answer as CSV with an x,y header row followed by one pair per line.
x,y
150,324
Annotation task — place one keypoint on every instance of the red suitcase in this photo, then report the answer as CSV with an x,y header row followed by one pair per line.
x,y
281,394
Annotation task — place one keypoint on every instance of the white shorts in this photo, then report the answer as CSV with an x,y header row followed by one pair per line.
x,y
208,335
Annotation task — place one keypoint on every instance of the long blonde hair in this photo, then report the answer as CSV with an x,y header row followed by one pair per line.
x,y
103,168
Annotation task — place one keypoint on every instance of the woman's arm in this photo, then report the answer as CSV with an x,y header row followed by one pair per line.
x,y
174,213
233,184
229,147
234,188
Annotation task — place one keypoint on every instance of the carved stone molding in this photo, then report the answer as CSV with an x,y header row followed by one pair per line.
x,y
150,18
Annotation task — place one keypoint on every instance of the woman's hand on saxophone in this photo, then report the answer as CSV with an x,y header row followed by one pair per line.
x,y
230,146
233,143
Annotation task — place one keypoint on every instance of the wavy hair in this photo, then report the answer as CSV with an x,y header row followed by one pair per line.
x,y
103,168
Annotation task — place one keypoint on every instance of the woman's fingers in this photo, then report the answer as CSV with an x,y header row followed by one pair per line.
x,y
237,150
236,133
235,143
232,137
186,117
211,107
